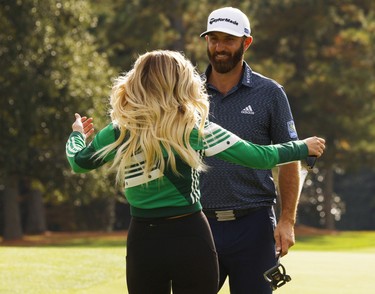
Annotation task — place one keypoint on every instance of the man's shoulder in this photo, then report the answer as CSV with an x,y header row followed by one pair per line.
x,y
262,80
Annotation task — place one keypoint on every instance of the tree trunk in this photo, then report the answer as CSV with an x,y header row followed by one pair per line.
x,y
12,218
35,223
328,197
111,214
177,24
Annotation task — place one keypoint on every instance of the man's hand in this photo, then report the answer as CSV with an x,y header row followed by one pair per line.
x,y
83,125
284,237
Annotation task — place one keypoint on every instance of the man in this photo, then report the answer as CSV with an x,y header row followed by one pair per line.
x,y
237,201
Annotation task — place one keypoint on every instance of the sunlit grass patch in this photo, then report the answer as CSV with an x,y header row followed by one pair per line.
x,y
58,269
338,241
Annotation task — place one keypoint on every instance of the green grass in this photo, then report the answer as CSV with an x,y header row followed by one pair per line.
x,y
340,241
59,270
328,272
340,263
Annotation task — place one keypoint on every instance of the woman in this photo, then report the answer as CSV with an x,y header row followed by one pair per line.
x,y
157,140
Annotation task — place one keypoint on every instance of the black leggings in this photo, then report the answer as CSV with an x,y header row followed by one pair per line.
x,y
176,253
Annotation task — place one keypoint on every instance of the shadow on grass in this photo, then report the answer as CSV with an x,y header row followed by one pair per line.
x,y
70,239
333,241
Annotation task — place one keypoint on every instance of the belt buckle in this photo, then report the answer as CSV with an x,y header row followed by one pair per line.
x,y
225,215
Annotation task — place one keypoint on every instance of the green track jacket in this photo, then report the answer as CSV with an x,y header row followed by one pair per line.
x,y
167,194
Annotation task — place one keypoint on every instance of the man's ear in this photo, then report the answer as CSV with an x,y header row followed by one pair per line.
x,y
248,42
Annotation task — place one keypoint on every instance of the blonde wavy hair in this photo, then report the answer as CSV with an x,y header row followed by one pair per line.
x,y
156,105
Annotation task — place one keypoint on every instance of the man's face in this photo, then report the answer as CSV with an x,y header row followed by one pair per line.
x,y
224,51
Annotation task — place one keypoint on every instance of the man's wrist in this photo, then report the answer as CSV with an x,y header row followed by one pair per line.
x,y
291,220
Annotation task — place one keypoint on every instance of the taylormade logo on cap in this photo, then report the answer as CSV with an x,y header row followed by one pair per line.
x,y
213,20
228,20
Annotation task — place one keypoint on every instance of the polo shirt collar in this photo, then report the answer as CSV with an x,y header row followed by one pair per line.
x,y
247,74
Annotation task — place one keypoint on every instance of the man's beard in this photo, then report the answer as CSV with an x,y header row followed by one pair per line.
x,y
224,66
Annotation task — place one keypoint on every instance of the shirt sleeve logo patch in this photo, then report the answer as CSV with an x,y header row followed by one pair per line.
x,y
292,129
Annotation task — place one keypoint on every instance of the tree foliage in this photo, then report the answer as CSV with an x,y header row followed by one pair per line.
x,y
323,52
50,69
58,57
327,47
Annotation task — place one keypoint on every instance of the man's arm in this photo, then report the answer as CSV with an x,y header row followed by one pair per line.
x,y
289,195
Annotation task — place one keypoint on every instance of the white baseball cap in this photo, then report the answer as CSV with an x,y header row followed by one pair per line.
x,y
228,20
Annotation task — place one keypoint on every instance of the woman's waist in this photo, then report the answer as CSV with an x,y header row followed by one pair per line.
x,y
164,213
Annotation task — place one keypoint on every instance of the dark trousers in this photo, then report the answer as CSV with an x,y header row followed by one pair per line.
x,y
246,249
176,253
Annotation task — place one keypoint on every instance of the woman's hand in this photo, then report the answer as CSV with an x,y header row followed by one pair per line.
x,y
315,145
83,125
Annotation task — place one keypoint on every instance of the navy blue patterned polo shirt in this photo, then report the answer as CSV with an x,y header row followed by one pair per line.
x,y
257,110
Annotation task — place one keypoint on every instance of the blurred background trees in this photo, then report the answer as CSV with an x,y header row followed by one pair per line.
x,y
58,57
50,69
